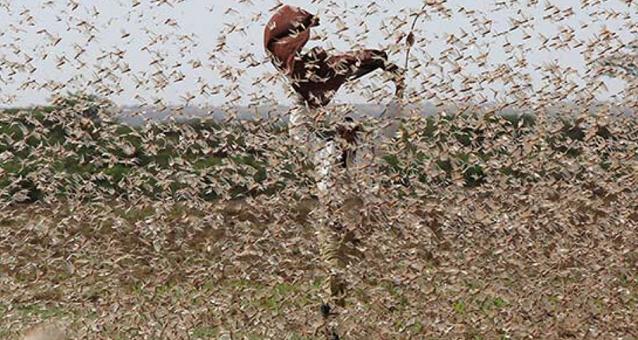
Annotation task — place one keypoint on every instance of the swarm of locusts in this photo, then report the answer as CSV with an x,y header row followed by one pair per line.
x,y
489,190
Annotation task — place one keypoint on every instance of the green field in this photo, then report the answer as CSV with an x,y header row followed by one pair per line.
x,y
483,227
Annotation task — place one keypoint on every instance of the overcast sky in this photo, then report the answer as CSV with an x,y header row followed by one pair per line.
x,y
164,51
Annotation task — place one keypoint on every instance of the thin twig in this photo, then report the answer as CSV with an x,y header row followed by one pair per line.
x,y
416,18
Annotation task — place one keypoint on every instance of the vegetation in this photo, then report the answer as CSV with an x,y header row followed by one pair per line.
x,y
54,152
481,226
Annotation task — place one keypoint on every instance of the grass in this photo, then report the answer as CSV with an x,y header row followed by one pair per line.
x,y
214,302
459,307
205,332
41,312
481,228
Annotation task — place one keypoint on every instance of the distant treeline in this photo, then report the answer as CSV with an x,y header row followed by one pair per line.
x,y
63,152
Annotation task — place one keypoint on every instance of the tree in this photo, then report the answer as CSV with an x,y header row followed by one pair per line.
x,y
87,105
623,65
